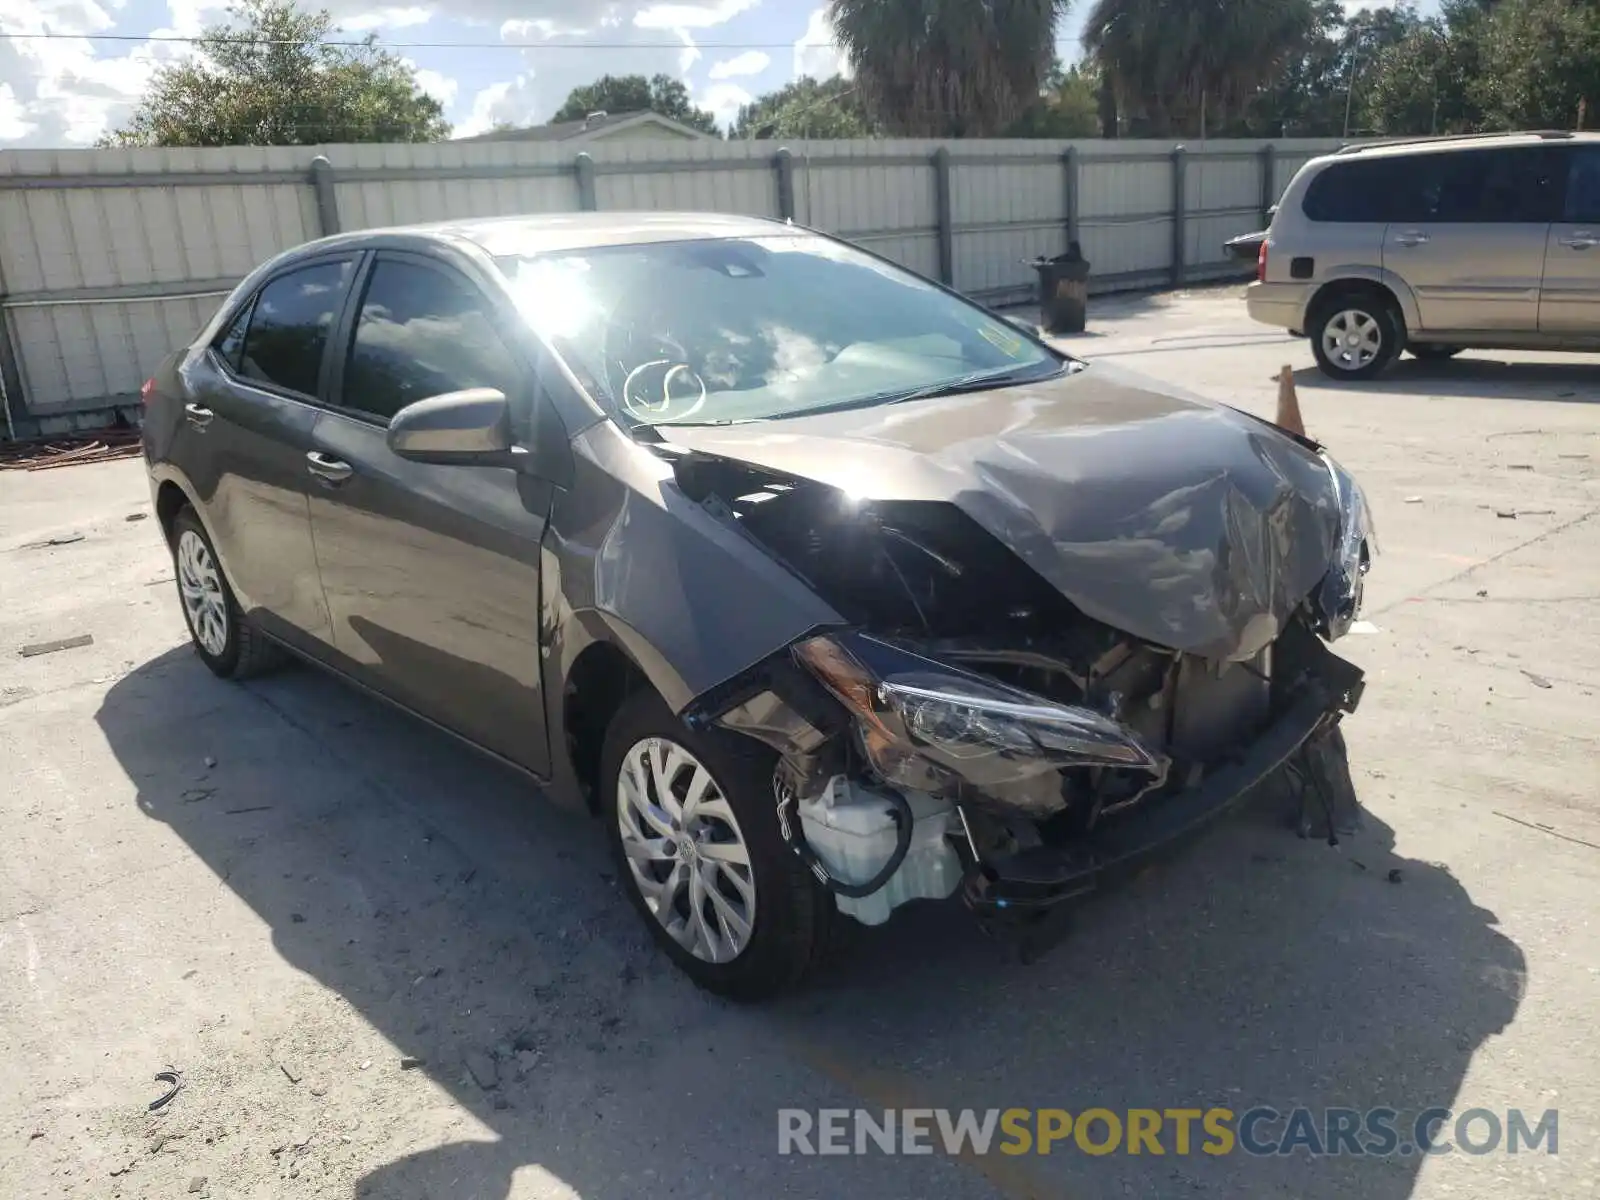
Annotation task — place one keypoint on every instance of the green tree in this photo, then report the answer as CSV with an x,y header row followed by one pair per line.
x,y
943,68
806,108
1069,106
1541,60
617,94
1183,67
268,79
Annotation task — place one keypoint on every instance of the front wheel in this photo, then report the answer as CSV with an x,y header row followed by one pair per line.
x,y
1355,336
692,821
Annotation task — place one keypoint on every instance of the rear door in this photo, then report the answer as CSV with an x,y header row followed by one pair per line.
x,y
250,409
1468,235
1570,302
432,572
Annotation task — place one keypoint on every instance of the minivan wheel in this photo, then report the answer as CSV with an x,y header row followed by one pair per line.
x,y
1355,335
223,636
692,822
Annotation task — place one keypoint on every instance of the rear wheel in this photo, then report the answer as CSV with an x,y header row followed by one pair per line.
x,y
1427,352
1356,335
223,636
693,824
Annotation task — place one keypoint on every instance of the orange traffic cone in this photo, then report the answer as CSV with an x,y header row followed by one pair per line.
x,y
1289,404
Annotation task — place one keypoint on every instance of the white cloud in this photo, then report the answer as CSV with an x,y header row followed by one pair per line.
x,y
14,123
441,87
690,54
510,101
690,16
751,62
816,53
724,100
385,18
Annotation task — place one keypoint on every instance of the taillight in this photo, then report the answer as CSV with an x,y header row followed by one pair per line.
x,y
145,389
1261,264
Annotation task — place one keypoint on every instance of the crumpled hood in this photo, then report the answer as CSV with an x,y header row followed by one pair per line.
x,y
1179,521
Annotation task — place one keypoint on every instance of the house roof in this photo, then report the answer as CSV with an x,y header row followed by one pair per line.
x,y
562,131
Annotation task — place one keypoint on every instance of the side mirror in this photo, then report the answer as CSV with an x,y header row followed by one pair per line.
x,y
470,428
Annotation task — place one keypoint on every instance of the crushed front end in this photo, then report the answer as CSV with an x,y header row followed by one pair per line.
x,y
973,730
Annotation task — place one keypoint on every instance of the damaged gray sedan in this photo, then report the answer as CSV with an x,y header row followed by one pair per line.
x,y
826,589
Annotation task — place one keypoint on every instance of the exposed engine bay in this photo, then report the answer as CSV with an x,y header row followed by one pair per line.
x,y
974,727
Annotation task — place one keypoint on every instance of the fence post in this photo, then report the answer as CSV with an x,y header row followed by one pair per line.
x,y
327,198
1069,168
1269,182
783,164
941,200
1180,211
583,168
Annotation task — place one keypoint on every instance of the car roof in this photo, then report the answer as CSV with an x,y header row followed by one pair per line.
x,y
545,233
1466,141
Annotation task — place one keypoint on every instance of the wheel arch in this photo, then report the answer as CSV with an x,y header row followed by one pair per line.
x,y
1373,280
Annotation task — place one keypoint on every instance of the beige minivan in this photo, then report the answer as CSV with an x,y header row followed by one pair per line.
x,y
1435,247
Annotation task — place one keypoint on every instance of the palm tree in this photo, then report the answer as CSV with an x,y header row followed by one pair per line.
x,y
938,68
1178,67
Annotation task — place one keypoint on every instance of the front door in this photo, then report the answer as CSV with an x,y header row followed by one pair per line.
x,y
246,431
1570,303
1471,238
431,572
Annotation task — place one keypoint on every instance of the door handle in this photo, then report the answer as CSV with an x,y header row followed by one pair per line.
x,y
1411,238
329,470
1583,239
197,415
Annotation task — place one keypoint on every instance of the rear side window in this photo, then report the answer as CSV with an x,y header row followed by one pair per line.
x,y
290,324
1355,191
422,332
1504,186
230,345
1583,187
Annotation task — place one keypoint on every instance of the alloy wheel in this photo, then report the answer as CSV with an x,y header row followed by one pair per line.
x,y
204,604
685,850
1352,339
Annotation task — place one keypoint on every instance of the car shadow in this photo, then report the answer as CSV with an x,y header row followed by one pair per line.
x,y
1476,374
483,933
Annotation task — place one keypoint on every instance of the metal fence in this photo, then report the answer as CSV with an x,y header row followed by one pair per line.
x,y
111,258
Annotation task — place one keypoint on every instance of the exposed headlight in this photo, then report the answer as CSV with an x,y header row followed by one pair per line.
x,y
924,725
1339,596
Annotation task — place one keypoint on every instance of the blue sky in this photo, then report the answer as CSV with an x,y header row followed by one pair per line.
x,y
67,90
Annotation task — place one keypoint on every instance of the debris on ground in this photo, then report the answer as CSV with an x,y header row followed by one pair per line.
x,y
1413,499
1482,592
1395,876
411,1063
172,1077
1537,680
66,643
65,539
1519,466
136,516
482,1069
288,1074
43,454
197,1184
1508,514
195,795
210,762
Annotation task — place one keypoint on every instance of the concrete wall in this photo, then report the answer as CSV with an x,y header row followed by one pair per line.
x,y
109,259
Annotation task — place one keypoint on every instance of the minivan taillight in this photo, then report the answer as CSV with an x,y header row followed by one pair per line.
x,y
145,388
1261,264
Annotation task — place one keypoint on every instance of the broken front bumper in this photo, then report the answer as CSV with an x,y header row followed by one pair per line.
x,y
1039,878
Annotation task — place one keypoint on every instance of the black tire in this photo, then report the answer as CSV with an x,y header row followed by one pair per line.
x,y
244,651
1427,352
1363,303
794,915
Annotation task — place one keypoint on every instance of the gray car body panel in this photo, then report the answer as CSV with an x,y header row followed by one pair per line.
x,y
1177,520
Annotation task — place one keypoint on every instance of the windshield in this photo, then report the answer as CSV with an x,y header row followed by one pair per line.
x,y
741,329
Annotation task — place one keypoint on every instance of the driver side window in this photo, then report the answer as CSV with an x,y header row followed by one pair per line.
x,y
421,332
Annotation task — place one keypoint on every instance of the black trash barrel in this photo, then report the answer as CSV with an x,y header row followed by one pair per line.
x,y
1064,292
